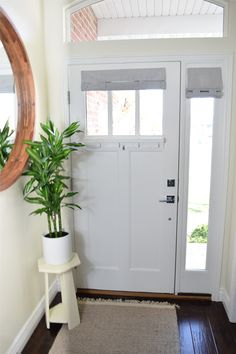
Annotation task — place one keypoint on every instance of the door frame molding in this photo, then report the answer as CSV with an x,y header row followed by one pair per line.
x,y
219,207
226,62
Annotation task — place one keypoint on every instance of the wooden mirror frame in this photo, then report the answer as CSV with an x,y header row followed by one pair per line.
x,y
25,98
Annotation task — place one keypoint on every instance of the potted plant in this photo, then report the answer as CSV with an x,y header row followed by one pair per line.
x,y
6,144
47,186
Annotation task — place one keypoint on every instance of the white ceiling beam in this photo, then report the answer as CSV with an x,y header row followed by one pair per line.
x,y
135,8
204,7
151,8
111,9
181,7
211,9
158,8
174,7
142,7
162,25
118,5
97,11
127,8
166,7
189,7
197,7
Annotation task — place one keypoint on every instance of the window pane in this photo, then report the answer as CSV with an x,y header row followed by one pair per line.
x,y
97,113
90,23
202,112
151,112
123,112
8,104
83,25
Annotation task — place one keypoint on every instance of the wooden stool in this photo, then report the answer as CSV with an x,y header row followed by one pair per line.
x,y
67,311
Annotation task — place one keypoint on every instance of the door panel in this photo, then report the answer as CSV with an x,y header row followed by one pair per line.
x,y
97,225
152,224
125,237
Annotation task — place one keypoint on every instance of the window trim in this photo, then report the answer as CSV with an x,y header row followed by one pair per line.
x,y
226,63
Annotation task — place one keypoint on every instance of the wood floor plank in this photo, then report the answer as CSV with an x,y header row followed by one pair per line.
x,y
185,336
224,331
203,339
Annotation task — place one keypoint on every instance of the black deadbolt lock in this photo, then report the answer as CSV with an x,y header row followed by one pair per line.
x,y
171,183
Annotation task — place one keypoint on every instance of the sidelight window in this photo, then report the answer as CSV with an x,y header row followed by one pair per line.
x,y
204,86
201,131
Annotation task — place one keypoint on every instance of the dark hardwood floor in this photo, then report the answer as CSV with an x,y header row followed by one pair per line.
x,y
203,327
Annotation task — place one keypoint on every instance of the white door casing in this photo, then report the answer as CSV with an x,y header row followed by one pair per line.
x,y
191,281
208,280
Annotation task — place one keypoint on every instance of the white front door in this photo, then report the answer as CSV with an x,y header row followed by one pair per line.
x,y
126,231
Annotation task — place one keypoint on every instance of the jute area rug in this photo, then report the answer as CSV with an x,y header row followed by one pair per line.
x,y
111,327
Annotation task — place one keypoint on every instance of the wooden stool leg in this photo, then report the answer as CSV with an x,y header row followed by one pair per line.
x,y
46,300
69,299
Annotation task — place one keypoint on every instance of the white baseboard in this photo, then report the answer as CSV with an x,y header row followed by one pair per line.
x,y
28,328
224,297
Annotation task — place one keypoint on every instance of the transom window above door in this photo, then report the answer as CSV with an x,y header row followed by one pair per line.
x,y
144,19
126,102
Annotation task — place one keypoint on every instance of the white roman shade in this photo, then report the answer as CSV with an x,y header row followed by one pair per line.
x,y
124,79
204,82
7,84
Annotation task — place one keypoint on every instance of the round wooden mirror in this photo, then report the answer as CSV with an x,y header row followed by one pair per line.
x,y
24,85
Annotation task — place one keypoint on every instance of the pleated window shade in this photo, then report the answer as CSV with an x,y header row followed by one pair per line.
x,y
204,82
7,84
124,79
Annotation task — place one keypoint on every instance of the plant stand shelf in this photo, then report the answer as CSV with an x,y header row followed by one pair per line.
x,y
67,311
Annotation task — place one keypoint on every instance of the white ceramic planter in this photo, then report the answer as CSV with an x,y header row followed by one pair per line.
x,y
57,250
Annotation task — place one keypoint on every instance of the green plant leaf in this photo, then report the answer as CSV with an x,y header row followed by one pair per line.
x,y
72,205
46,185
34,155
28,186
39,211
70,194
6,144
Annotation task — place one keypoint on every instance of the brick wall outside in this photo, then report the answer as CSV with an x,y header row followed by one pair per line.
x,y
83,25
97,112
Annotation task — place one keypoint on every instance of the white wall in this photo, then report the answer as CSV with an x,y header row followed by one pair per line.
x,y
21,284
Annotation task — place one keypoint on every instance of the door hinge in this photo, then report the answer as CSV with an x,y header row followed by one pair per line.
x,y
68,97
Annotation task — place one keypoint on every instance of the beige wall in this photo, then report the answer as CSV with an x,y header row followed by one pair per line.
x,y
21,284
